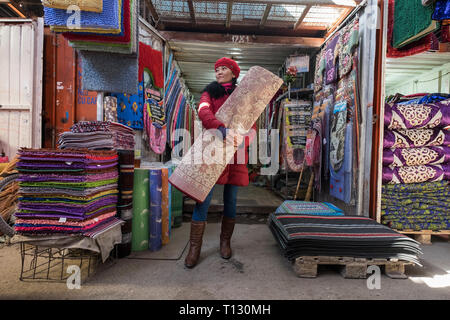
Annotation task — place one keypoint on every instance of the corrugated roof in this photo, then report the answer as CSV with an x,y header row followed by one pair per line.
x,y
291,18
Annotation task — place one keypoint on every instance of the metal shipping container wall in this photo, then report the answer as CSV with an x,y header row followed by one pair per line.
x,y
65,103
21,47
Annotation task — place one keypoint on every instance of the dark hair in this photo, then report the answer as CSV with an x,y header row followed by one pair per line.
x,y
216,90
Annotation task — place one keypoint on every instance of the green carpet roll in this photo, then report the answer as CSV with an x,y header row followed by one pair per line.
x,y
141,203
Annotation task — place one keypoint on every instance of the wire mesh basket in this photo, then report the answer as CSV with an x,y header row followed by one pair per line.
x,y
56,264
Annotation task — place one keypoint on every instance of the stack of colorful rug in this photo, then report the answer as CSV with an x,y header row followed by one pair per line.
x,y
343,236
106,36
97,135
416,166
66,191
111,29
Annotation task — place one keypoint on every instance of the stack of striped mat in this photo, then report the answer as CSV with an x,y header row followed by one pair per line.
x,y
329,233
97,135
66,191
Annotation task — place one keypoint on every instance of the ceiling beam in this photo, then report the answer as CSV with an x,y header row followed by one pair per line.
x,y
265,15
152,10
325,3
338,21
302,17
191,11
239,27
229,13
242,40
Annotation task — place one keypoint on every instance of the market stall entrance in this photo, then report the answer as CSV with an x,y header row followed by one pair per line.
x,y
263,33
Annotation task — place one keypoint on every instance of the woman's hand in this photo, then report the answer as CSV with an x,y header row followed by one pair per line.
x,y
234,138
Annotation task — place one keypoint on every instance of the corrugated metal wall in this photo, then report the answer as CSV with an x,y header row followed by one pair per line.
x,y
21,84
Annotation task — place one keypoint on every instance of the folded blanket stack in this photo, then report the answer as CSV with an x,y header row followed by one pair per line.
x,y
66,191
416,163
340,236
98,135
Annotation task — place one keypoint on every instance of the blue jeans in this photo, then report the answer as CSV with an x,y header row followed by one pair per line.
x,y
229,204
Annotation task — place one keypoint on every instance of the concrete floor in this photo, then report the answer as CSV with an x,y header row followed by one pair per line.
x,y
256,271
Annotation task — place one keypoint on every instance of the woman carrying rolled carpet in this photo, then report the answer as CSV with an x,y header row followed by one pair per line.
x,y
235,174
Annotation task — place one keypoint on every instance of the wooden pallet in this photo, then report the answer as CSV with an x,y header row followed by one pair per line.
x,y
351,268
424,236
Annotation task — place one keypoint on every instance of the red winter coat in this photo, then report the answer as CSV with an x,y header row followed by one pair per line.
x,y
234,173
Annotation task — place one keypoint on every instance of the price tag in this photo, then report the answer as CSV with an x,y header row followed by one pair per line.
x,y
62,219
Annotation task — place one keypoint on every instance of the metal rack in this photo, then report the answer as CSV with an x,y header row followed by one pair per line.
x,y
50,264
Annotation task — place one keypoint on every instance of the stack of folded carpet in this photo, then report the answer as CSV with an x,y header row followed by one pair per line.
x,y
112,27
334,235
105,33
416,163
98,135
66,191
114,136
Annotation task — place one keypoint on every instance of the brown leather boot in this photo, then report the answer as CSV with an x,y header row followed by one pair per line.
x,y
197,229
225,236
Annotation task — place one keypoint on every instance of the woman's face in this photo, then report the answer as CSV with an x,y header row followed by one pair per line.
x,y
224,74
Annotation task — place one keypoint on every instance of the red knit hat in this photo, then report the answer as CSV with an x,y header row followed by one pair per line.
x,y
230,64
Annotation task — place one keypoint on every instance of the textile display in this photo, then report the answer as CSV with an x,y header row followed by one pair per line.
x,y
108,18
176,106
348,41
420,173
412,21
331,55
155,121
416,206
416,138
442,10
130,108
65,210
165,218
416,156
416,166
337,135
155,223
296,121
97,135
342,236
239,112
341,180
417,116
320,67
153,207
429,42
109,72
123,37
124,43
152,60
308,208
101,239
110,108
84,5
141,210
